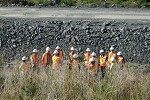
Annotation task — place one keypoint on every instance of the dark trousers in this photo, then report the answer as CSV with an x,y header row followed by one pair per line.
x,y
103,70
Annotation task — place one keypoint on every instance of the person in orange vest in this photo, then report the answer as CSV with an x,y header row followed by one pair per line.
x,y
75,63
60,53
92,67
111,58
56,65
103,61
96,60
120,59
25,66
47,58
86,58
35,61
71,56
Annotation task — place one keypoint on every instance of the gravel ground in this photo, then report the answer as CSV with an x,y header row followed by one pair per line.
x,y
22,29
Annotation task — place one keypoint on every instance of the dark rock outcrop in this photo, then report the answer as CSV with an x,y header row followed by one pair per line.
x,y
20,37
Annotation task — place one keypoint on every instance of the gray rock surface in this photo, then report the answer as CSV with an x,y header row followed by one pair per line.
x,y
19,37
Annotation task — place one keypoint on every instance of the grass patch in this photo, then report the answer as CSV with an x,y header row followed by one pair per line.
x,y
120,84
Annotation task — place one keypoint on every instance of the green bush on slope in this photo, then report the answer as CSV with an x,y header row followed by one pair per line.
x,y
130,3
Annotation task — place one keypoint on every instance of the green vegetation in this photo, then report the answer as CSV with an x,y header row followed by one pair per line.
x,y
46,2
121,84
130,3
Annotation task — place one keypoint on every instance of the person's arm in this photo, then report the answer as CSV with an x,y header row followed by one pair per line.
x,y
106,58
59,60
69,57
51,57
123,60
43,58
38,61
32,61
21,67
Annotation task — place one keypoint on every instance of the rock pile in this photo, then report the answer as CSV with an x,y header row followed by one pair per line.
x,y
19,37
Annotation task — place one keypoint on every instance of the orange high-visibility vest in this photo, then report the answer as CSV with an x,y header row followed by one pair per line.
x,y
93,68
60,54
34,59
110,56
86,59
103,61
120,59
55,60
47,58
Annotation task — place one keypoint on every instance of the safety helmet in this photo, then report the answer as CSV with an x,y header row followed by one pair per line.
x,y
75,56
72,48
48,49
35,51
93,54
55,52
24,58
119,53
91,59
57,47
88,49
111,48
102,51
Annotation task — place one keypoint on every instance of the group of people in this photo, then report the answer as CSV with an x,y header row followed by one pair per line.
x,y
92,63
48,60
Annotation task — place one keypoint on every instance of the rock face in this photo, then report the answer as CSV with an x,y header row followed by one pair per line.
x,y
19,37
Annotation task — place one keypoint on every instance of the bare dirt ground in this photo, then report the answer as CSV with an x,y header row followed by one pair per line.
x,y
72,13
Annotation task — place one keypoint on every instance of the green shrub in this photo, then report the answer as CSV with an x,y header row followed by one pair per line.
x,y
31,88
68,2
45,2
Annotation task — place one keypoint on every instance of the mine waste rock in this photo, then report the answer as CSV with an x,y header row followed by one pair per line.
x,y
19,37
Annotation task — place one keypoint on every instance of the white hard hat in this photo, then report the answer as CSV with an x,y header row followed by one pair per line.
x,y
48,49
111,48
72,48
35,50
75,56
101,51
55,52
57,47
88,49
24,58
112,59
93,54
119,53
91,59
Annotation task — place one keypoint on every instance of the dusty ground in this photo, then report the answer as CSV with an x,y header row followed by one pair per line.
x,y
72,13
